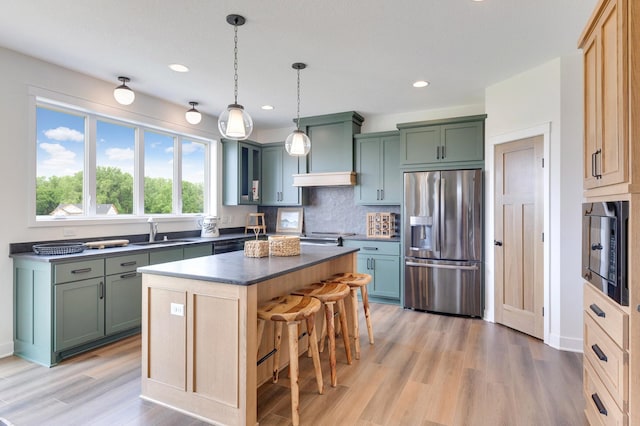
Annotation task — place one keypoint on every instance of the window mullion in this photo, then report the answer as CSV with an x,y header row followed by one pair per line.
x,y
177,175
89,182
138,174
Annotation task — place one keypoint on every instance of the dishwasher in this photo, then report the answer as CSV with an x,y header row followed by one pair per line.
x,y
228,246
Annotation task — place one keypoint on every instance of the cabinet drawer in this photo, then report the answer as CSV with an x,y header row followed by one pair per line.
x,y
120,264
607,315
66,272
609,361
594,390
375,247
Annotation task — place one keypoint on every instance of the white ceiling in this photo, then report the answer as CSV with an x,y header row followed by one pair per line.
x,y
362,55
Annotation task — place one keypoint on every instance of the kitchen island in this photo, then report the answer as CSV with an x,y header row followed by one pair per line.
x,y
199,348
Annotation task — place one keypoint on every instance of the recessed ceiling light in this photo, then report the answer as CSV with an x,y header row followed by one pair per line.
x,y
179,68
267,107
421,83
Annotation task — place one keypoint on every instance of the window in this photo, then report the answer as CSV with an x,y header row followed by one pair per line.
x,y
88,166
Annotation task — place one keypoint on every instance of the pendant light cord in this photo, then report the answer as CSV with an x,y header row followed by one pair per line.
x,y
235,64
298,111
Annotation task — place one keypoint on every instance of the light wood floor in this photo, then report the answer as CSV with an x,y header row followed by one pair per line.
x,y
423,370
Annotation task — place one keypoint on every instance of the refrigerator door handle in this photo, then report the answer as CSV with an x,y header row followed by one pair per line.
x,y
437,266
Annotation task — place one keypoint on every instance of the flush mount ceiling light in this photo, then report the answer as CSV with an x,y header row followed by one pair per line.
x,y
421,83
235,122
267,107
179,68
123,94
298,143
193,116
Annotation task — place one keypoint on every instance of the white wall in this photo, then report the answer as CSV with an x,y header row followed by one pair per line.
x,y
550,94
20,74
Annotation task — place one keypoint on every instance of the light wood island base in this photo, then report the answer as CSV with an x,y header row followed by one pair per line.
x,y
199,337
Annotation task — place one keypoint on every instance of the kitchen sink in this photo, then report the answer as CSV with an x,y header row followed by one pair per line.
x,y
160,242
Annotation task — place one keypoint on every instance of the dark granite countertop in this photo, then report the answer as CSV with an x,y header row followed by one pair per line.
x,y
236,268
129,249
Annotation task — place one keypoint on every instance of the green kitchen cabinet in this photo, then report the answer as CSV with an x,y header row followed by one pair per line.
x,y
447,143
278,168
123,292
379,179
197,250
241,172
79,312
381,260
331,141
164,255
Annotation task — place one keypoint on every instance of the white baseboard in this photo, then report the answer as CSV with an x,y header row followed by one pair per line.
x,y
569,344
6,349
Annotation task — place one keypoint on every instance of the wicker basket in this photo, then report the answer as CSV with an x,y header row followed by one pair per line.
x,y
284,245
256,248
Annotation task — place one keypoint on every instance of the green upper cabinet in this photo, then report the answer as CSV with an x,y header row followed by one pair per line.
x,y
449,143
278,169
379,180
242,161
331,141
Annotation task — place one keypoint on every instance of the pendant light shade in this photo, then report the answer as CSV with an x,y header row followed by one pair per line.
x,y
123,94
235,122
193,116
298,143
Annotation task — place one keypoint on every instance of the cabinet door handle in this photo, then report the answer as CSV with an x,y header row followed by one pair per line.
x,y
373,264
131,275
101,290
444,151
601,356
599,405
81,271
593,164
596,309
437,153
133,262
598,175
382,194
369,248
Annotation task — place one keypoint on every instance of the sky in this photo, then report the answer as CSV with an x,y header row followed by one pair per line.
x,y
61,140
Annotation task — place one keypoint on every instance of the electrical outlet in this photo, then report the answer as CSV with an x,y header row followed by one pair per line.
x,y
177,309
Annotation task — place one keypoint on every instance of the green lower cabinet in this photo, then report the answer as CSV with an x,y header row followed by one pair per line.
x,y
198,251
381,260
123,302
79,313
165,255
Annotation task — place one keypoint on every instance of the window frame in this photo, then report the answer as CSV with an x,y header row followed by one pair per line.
x,y
97,112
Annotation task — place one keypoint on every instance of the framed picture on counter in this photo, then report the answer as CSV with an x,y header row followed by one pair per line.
x,y
289,220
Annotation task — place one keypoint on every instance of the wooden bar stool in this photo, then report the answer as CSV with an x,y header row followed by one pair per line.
x,y
292,309
330,294
255,222
357,280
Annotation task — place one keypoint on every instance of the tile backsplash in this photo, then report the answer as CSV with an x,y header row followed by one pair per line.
x,y
331,209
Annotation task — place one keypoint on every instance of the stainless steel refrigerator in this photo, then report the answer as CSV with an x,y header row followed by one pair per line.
x,y
443,241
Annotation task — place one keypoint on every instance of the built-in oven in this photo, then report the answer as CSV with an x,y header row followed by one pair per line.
x,y
604,248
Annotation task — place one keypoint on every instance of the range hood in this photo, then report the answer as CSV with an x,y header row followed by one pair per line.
x,y
325,179
330,161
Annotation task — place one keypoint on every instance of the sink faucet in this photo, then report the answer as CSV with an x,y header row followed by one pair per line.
x,y
153,229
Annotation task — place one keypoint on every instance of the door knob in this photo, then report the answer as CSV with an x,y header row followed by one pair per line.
x,y
497,243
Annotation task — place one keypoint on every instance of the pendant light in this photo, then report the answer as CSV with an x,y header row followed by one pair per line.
x,y
123,94
298,143
193,116
235,122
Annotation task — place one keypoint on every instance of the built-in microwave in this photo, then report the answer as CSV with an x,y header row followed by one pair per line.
x,y
604,248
